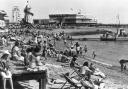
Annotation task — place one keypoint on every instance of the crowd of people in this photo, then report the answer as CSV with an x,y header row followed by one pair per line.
x,y
31,48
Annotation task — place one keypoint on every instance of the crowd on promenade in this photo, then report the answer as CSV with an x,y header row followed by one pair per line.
x,y
31,48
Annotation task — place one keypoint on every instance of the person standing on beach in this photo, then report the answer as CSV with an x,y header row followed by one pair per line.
x,y
45,49
123,64
85,49
73,51
93,54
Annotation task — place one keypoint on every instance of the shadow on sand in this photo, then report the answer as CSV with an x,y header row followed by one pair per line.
x,y
17,85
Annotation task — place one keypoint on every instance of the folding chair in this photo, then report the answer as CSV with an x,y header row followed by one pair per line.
x,y
84,83
72,83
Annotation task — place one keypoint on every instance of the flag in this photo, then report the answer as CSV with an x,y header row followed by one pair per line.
x,y
118,18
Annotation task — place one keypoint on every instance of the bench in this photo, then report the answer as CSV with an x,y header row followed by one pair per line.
x,y
40,76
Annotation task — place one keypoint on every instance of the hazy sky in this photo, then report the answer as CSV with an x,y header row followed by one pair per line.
x,y
104,11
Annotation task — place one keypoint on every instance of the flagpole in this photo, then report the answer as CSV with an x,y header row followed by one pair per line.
x,y
118,25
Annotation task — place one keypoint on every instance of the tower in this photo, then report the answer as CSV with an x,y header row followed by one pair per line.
x,y
28,14
16,14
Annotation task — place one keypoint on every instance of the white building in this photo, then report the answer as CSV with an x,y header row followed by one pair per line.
x,y
16,14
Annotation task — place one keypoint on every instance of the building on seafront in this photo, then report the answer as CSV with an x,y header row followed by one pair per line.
x,y
41,21
66,20
72,20
16,14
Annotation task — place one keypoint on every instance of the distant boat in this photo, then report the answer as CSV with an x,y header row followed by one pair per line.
x,y
120,35
107,39
114,39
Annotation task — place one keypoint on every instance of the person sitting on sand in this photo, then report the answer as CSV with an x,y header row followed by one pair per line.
x,y
86,75
16,54
92,67
85,71
64,59
30,58
73,63
37,53
4,69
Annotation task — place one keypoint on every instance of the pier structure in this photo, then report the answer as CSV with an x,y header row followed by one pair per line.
x,y
72,19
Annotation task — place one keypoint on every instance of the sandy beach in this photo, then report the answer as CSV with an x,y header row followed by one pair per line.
x,y
115,78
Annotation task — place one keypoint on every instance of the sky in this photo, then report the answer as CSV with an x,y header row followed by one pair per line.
x,y
105,11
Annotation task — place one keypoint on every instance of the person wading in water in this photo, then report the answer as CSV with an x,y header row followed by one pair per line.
x,y
123,64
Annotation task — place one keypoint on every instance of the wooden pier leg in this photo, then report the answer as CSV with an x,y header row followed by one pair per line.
x,y
42,83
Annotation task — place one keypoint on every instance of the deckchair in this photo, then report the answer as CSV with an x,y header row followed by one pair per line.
x,y
83,82
72,83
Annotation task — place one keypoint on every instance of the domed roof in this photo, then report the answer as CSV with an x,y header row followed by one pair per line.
x,y
28,6
3,12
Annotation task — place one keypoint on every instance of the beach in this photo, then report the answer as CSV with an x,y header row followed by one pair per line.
x,y
107,53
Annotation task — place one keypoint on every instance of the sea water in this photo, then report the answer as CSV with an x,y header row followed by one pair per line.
x,y
108,51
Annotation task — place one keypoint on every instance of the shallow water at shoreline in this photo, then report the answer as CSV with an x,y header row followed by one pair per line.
x,y
109,52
